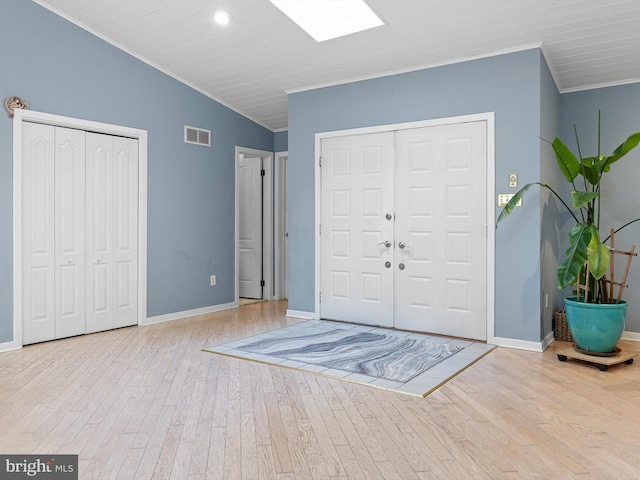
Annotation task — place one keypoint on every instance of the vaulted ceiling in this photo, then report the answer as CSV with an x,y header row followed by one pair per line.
x,y
250,64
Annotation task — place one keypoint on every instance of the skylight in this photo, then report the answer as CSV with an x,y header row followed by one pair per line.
x,y
327,19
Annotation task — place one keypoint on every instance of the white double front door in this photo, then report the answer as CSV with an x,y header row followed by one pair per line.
x,y
404,229
80,224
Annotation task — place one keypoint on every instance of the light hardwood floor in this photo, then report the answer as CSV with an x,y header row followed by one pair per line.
x,y
145,402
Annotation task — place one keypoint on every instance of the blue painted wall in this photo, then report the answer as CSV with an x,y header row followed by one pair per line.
x,y
281,141
510,86
620,108
551,297
61,69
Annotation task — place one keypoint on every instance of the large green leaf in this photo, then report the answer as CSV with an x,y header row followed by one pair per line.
x,y
567,161
576,255
624,148
511,204
580,199
598,255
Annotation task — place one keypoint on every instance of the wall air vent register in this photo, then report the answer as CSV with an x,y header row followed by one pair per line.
x,y
197,136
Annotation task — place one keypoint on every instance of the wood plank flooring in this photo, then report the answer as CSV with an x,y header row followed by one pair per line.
x,y
146,403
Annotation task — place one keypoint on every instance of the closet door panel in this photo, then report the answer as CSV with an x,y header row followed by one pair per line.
x,y
69,232
38,255
99,237
125,232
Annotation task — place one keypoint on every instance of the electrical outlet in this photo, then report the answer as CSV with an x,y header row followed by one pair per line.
x,y
213,280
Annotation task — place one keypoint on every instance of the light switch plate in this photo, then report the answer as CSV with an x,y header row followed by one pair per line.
x,y
503,199
513,180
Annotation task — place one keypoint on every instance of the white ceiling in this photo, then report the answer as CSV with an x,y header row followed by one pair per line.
x,y
252,63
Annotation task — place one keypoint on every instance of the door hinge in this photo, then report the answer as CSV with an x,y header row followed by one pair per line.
x,y
262,173
320,162
262,283
320,229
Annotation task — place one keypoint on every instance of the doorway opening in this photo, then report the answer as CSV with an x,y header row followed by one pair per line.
x,y
254,226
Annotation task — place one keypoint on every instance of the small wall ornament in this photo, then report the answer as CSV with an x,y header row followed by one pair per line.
x,y
11,103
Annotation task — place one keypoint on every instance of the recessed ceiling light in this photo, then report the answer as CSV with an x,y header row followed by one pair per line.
x,y
221,17
327,19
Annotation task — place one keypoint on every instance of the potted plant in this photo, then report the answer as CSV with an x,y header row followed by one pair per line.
x,y
595,321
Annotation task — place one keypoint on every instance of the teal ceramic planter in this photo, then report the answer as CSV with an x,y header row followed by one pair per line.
x,y
595,327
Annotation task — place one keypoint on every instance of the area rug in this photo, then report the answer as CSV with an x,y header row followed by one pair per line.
x,y
383,356
406,362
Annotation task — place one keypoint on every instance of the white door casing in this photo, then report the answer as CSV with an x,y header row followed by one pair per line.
x,y
268,292
357,221
250,226
280,225
437,213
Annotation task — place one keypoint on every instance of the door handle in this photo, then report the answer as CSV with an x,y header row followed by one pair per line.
x,y
403,245
386,243
69,260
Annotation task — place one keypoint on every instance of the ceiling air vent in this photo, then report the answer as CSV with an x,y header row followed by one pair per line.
x,y
198,136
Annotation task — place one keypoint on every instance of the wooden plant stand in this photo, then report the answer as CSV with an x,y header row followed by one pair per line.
x,y
603,363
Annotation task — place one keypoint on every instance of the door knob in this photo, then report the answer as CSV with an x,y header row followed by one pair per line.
x,y
387,264
401,266
403,245
99,259
386,243
69,260
388,216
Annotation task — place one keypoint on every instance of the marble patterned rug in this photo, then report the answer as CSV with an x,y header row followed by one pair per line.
x,y
375,354
396,360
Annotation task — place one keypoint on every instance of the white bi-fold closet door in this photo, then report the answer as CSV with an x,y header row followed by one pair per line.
x,y
80,224
403,229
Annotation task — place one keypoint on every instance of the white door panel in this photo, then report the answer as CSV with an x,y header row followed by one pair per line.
x,y
99,239
357,195
38,147
250,227
125,234
70,232
441,218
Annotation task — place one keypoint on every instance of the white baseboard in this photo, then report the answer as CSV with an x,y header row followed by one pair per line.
x,y
631,336
9,346
548,340
188,313
301,314
520,344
